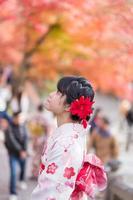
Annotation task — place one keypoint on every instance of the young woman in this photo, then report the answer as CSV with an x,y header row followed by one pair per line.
x,y
63,168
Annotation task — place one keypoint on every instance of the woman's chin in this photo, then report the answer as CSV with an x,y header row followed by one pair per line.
x,y
46,105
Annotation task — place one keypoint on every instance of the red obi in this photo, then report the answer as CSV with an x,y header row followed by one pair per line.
x,y
90,178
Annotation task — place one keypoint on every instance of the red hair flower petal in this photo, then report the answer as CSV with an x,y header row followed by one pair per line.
x,y
82,107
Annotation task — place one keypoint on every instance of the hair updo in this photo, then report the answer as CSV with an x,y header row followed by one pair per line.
x,y
74,87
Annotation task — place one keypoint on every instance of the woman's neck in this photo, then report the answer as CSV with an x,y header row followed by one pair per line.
x,y
63,119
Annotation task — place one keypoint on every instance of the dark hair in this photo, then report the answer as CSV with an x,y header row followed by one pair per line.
x,y
98,110
105,120
74,87
40,107
16,114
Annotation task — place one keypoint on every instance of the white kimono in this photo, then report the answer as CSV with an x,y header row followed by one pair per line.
x,y
61,162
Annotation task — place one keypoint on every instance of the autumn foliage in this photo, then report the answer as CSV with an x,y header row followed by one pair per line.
x,y
49,38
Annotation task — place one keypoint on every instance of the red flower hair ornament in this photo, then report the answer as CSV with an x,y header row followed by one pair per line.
x,y
82,107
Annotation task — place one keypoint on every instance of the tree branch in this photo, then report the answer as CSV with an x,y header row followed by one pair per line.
x,y
30,53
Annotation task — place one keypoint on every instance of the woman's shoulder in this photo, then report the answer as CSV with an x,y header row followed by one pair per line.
x,y
67,135
69,128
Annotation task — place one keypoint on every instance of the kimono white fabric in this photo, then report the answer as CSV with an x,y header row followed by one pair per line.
x,y
62,160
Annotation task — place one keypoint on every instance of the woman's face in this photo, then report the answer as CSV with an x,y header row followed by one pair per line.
x,y
55,102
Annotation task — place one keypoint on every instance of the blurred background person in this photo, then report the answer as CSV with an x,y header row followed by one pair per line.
x,y
5,90
94,118
103,141
19,101
16,144
126,121
40,129
106,147
129,119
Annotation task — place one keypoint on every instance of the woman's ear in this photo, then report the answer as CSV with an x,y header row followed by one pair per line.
x,y
67,107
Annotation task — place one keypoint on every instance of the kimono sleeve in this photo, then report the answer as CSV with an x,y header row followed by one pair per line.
x,y
57,179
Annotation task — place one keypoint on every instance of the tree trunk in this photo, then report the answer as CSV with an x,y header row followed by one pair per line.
x,y
25,64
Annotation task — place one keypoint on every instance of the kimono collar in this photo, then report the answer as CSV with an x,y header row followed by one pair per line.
x,y
70,128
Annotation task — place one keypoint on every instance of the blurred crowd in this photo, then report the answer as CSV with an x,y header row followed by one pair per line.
x,y
26,126
24,129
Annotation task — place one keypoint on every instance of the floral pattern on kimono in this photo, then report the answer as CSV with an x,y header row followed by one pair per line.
x,y
62,161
